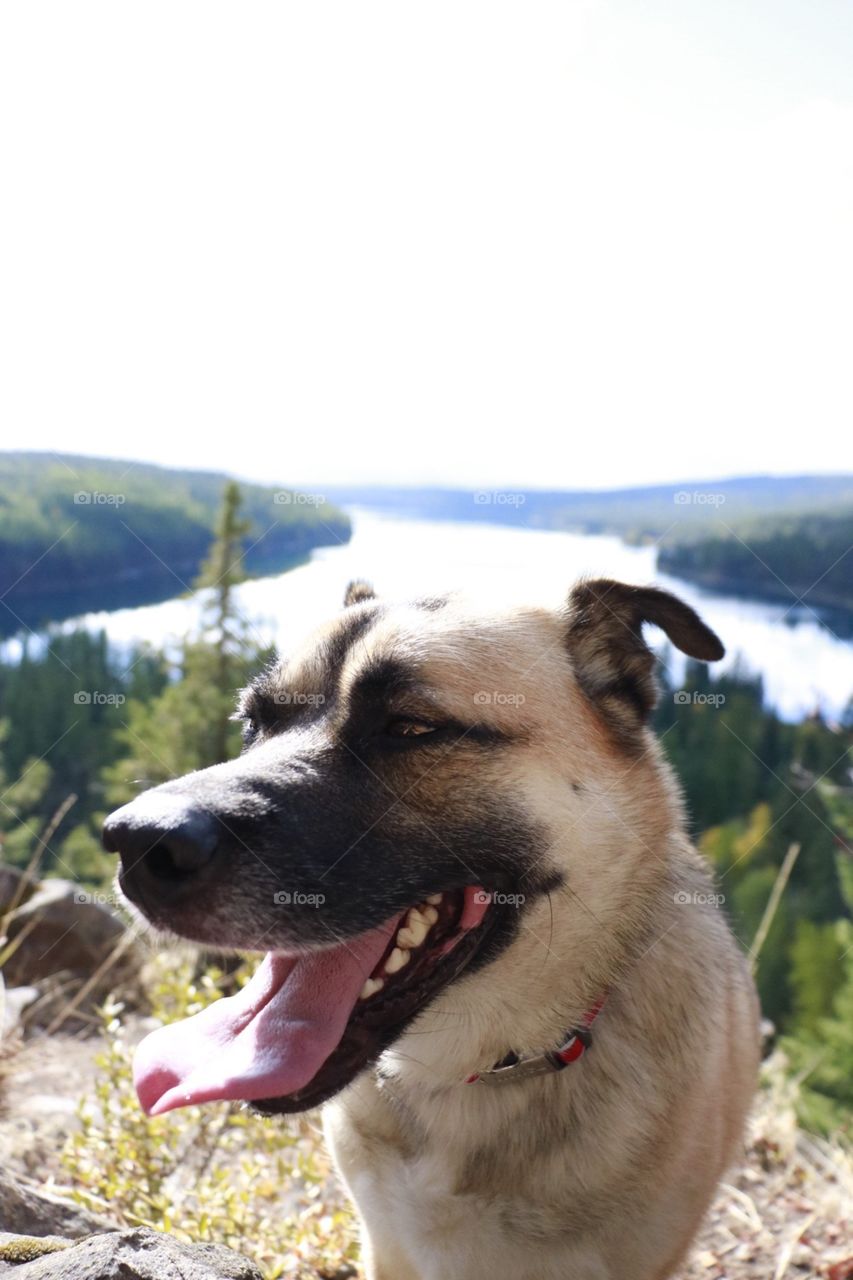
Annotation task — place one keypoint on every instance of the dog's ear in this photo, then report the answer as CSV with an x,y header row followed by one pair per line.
x,y
614,666
357,591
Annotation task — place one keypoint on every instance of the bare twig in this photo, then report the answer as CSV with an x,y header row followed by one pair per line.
x,y
773,903
30,870
105,965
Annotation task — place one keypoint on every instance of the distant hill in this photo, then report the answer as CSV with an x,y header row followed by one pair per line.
x,y
787,539
636,514
81,533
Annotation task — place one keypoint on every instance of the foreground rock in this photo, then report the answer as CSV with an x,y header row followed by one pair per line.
x,y
66,930
121,1255
14,1002
25,1212
15,887
68,943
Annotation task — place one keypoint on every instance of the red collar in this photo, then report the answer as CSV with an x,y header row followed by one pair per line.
x,y
514,1068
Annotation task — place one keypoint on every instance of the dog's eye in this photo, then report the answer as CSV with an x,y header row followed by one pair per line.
x,y
250,732
402,727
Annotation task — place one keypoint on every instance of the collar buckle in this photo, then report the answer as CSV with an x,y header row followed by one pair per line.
x,y
512,1068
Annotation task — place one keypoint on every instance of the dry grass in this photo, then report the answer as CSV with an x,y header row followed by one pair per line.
x,y
788,1210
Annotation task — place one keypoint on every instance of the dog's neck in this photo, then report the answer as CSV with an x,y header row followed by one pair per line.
x,y
513,1068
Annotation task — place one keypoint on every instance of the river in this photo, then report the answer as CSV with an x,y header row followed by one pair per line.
x,y
804,665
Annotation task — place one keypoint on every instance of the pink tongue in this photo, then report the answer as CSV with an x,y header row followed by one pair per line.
x,y
269,1040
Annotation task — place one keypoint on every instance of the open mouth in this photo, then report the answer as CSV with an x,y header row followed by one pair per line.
x,y
306,1025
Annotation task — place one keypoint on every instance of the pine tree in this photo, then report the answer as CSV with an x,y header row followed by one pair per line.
x,y
817,971
219,663
824,1057
22,823
189,725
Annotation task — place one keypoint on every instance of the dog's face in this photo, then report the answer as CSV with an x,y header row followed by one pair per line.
x,y
402,805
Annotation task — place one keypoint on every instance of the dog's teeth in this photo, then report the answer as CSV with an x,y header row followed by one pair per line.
x,y
413,932
434,899
371,987
397,960
419,921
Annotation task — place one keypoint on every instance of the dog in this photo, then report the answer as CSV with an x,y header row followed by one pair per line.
x,y
491,950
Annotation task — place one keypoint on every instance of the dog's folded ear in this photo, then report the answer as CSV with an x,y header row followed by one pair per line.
x,y
357,591
613,664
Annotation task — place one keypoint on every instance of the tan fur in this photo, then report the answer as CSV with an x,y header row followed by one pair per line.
x,y
604,1170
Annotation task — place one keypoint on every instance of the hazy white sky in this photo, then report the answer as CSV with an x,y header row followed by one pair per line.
x,y
588,242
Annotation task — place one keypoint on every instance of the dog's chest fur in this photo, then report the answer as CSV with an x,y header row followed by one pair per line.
x,y
564,1175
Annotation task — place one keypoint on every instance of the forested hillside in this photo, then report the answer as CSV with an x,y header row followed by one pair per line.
x,y
73,529
807,557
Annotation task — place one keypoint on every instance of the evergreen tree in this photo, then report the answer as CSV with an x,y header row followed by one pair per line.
x,y
824,1056
817,971
224,631
189,725
22,809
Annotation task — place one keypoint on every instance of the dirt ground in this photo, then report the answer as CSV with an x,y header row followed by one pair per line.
x,y
784,1214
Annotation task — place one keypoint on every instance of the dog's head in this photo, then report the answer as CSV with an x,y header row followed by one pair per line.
x,y
418,784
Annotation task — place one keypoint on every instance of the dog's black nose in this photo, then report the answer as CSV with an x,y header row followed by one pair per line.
x,y
164,842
